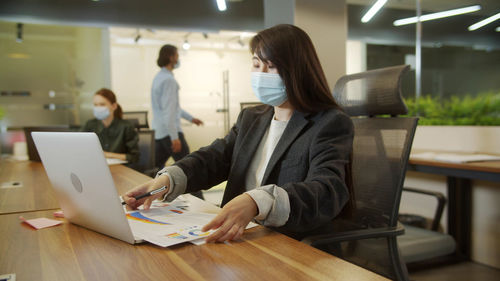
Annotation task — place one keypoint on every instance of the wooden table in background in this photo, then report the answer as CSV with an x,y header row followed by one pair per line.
x,y
71,252
459,178
36,192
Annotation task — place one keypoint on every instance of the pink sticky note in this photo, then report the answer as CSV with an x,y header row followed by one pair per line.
x,y
40,222
59,214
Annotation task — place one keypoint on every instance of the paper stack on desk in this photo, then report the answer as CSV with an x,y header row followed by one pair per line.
x,y
167,224
114,161
455,157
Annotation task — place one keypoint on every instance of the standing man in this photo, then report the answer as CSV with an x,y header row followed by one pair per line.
x,y
167,112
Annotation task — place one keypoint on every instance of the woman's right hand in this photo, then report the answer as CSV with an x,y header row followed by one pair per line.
x,y
153,184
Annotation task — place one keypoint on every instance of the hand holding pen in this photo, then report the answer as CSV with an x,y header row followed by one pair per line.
x,y
147,194
144,194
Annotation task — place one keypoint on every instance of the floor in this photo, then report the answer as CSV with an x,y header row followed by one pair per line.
x,y
465,271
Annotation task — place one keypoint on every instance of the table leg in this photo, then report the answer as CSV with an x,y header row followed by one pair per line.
x,y
460,214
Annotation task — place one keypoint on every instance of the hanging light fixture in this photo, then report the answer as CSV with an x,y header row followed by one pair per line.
x,y
19,35
137,36
186,45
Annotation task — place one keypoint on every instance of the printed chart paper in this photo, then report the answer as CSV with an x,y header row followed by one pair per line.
x,y
168,224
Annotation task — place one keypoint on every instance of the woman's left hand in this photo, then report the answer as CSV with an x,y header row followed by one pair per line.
x,y
233,219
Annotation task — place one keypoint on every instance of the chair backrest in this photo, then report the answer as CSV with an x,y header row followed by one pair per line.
x,y
138,118
381,146
32,151
146,161
373,92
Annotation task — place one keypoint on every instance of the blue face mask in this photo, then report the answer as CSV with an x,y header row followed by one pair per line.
x,y
101,112
269,88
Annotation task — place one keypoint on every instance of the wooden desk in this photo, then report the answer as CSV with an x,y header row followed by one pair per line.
x,y
71,252
36,193
459,178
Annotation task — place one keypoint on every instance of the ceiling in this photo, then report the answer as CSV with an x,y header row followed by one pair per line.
x,y
489,7
248,15
450,31
200,15
228,40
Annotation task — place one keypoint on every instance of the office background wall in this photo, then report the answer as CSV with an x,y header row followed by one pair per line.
x,y
200,76
60,67
446,71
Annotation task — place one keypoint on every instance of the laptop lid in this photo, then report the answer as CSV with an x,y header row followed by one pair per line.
x,y
80,176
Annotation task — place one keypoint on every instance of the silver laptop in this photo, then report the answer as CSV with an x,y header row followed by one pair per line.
x,y
78,171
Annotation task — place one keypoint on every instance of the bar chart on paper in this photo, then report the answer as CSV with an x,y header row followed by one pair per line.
x,y
166,224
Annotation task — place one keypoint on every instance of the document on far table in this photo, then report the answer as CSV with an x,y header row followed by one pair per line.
x,y
455,157
114,161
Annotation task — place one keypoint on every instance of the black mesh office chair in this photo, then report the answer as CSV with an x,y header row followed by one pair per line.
x,y
138,118
146,163
381,150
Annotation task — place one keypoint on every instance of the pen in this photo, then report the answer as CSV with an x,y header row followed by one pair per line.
x,y
152,192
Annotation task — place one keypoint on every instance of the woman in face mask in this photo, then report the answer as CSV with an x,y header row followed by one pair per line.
x,y
117,136
286,162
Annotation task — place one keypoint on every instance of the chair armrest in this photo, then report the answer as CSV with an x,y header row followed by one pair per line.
x,y
440,207
360,234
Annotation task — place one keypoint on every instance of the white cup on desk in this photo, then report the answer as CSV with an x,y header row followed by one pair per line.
x,y
20,151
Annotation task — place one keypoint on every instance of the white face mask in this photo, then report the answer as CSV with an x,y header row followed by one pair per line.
x,y
177,64
269,88
101,112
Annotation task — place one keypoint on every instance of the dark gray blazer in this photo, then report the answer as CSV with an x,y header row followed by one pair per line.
x,y
309,162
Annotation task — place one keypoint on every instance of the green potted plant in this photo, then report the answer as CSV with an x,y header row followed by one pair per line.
x,y
479,110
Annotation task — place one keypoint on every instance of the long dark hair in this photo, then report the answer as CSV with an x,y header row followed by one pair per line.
x,y
291,50
166,52
111,97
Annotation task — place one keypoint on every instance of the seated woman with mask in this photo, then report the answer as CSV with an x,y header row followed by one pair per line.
x,y
117,136
286,162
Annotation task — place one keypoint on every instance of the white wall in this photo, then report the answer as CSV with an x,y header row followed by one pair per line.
x,y
90,69
68,62
485,195
326,23
199,76
355,56
458,138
